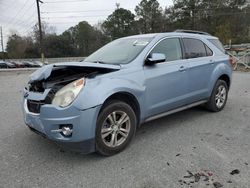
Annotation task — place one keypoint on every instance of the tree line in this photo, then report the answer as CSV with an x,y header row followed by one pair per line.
x,y
229,20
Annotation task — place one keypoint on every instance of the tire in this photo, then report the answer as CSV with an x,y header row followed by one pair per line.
x,y
111,136
218,100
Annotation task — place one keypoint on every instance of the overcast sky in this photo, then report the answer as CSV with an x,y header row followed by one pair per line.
x,y
21,15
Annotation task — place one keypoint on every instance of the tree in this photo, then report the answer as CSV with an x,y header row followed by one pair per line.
x,y
56,46
120,23
17,46
223,33
32,48
186,13
46,30
149,15
225,19
84,39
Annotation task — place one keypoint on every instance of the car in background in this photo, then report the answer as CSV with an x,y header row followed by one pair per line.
x,y
98,104
38,63
30,64
3,65
10,64
18,64
26,64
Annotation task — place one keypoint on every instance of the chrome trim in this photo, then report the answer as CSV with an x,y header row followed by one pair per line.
x,y
175,110
56,131
61,131
27,110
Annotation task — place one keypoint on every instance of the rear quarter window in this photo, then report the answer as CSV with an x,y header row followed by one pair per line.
x,y
209,51
218,44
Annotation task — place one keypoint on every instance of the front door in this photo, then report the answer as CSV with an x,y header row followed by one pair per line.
x,y
166,82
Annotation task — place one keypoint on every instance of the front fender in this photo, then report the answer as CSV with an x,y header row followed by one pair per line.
x,y
96,91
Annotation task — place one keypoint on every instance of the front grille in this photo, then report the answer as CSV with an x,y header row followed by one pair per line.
x,y
34,106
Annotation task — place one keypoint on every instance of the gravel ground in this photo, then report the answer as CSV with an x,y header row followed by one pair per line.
x,y
193,148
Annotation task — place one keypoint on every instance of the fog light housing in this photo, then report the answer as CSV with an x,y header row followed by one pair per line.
x,y
66,130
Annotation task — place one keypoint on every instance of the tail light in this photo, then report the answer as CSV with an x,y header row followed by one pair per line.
x,y
232,60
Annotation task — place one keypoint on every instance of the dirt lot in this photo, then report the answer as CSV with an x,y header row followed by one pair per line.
x,y
193,148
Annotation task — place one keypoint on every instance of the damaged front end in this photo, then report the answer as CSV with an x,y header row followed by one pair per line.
x,y
47,99
65,80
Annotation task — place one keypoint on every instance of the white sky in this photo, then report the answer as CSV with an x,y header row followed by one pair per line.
x,y
21,15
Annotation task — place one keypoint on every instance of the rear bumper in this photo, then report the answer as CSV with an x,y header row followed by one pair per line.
x,y
51,118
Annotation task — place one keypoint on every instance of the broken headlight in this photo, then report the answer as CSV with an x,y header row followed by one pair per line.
x,y
66,95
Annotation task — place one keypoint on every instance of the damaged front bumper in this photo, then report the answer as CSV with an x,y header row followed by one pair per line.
x,y
51,118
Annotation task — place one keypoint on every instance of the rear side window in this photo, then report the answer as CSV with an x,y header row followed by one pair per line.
x,y
208,50
194,48
171,47
218,44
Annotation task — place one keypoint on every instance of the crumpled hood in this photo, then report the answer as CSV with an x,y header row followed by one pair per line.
x,y
44,72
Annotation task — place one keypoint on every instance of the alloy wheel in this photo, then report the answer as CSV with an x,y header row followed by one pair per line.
x,y
220,96
115,128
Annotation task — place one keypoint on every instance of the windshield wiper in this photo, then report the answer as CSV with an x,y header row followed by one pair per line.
x,y
103,62
100,62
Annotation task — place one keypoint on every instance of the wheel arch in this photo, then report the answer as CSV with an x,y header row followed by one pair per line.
x,y
222,71
225,78
128,98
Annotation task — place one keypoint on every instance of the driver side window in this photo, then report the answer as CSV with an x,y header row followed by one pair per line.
x,y
171,47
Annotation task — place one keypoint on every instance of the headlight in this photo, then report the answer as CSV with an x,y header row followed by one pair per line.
x,y
66,95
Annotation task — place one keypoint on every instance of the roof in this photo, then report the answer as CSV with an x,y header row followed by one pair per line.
x,y
175,33
192,32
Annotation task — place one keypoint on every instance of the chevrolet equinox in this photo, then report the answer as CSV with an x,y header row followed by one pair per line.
x,y
97,104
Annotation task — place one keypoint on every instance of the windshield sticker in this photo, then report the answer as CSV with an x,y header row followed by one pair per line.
x,y
140,43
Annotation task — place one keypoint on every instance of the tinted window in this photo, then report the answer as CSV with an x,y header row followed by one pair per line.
x,y
208,50
194,48
218,44
170,47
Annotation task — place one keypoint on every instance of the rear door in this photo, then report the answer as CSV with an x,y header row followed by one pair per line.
x,y
201,65
166,82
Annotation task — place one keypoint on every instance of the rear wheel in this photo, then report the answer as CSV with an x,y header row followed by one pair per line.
x,y
218,97
116,126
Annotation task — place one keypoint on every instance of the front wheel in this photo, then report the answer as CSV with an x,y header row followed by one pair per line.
x,y
218,97
116,126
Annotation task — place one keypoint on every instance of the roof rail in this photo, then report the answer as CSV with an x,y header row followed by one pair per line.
x,y
191,31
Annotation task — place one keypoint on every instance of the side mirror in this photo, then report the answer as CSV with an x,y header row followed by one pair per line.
x,y
155,58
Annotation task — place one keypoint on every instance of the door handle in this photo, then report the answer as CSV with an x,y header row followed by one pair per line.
x,y
211,62
182,68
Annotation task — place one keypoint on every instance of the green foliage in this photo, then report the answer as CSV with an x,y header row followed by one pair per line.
x,y
150,16
21,47
223,33
83,39
56,46
3,55
120,23
228,20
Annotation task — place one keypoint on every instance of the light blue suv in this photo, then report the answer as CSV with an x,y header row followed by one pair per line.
x,y
97,104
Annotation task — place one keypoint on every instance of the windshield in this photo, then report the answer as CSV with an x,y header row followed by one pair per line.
x,y
120,51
